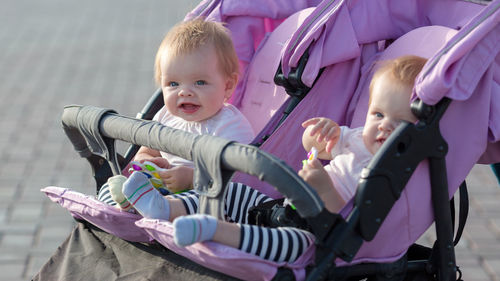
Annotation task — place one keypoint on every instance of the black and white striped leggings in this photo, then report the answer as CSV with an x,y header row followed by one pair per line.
x,y
274,244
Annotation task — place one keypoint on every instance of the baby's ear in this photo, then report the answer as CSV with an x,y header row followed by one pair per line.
x,y
231,82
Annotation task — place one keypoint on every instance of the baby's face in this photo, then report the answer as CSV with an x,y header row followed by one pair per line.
x,y
194,87
390,105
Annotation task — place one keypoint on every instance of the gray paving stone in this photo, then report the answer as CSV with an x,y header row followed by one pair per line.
x,y
14,227
17,240
12,271
34,265
53,232
74,52
481,231
25,212
472,268
493,266
7,194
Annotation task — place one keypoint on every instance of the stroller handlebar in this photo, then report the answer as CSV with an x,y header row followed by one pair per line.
x,y
93,130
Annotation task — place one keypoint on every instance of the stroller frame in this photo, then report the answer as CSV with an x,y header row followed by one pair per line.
x,y
339,238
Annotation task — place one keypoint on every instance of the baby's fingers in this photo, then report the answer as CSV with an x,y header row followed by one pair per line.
x,y
319,126
310,122
325,132
159,161
329,145
315,164
332,138
331,133
165,175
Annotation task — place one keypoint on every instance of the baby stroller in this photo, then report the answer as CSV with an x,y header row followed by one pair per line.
x,y
329,56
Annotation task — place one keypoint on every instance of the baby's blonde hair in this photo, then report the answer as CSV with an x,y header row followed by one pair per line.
x,y
402,70
188,36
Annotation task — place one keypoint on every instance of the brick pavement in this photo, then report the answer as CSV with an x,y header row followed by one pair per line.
x,y
59,52
54,53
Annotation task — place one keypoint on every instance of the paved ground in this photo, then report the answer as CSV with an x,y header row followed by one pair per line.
x,y
54,53
59,52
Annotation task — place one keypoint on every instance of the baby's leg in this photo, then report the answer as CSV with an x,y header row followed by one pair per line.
x,y
145,198
194,228
111,193
198,228
189,200
115,184
151,204
239,199
274,244
105,196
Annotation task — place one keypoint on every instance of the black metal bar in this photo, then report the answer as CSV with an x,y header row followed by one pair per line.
x,y
444,228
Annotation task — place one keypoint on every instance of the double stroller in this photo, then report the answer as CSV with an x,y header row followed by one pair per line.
x,y
300,60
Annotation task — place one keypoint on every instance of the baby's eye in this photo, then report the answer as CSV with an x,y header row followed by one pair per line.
x,y
201,82
378,115
172,84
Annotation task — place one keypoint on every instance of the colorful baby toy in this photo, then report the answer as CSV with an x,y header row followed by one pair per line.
x,y
151,171
313,154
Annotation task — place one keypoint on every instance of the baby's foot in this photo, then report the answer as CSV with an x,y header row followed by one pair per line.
x,y
142,195
151,171
194,228
115,185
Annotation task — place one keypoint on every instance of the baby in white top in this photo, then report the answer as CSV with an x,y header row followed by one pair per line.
x,y
197,69
350,150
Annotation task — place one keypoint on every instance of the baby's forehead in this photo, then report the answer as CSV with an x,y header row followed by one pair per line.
x,y
185,49
387,87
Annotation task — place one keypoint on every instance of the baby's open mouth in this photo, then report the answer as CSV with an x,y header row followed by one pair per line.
x,y
189,107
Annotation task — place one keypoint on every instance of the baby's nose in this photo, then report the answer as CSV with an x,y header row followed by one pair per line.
x,y
185,92
387,125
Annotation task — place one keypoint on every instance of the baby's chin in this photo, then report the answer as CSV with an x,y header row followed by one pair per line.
x,y
188,117
374,147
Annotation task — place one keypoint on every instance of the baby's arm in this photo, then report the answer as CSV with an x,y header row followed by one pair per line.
x,y
317,177
321,133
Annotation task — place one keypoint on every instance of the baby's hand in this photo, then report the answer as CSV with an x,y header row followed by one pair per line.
x,y
179,178
158,161
322,133
316,176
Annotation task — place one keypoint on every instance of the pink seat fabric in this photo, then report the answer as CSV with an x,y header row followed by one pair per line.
x,y
108,218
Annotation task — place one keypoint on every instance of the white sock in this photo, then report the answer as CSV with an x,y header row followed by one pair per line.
x,y
115,186
194,228
145,198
